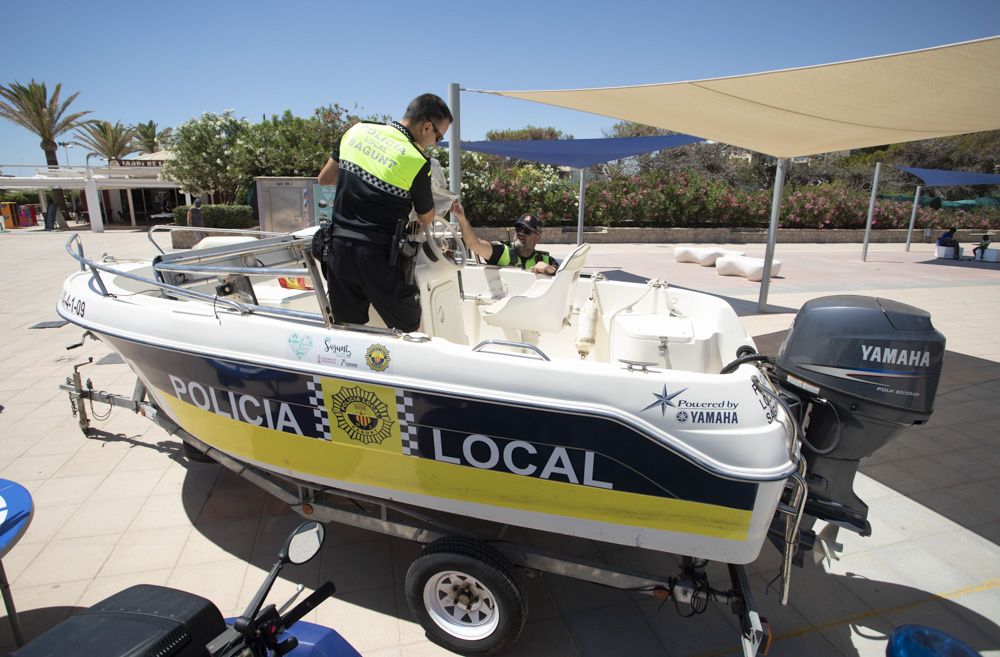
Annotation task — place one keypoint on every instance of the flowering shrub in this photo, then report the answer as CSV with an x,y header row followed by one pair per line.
x,y
496,195
496,192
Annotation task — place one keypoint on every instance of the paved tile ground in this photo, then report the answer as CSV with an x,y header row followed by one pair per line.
x,y
124,507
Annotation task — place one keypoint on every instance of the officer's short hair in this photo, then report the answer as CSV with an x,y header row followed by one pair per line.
x,y
427,107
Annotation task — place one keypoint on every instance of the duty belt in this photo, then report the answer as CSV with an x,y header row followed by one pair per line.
x,y
381,239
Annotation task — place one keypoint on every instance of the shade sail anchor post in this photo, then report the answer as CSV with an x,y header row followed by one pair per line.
x,y
455,142
871,211
772,233
913,216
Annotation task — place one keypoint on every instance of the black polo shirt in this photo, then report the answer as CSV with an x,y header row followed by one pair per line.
x,y
363,207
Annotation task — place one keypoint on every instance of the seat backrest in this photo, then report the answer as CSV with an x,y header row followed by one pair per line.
x,y
544,305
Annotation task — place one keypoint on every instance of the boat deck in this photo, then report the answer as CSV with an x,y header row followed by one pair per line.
x,y
124,507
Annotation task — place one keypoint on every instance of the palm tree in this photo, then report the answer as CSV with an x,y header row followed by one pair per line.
x,y
112,141
31,107
147,139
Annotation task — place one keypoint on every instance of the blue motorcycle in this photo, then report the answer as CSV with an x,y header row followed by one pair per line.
x,y
147,621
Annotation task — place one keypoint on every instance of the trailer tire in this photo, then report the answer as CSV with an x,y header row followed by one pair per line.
x,y
466,596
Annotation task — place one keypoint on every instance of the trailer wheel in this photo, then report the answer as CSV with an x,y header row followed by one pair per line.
x,y
466,596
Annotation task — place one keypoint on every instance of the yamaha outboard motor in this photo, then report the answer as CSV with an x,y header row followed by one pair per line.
x,y
865,369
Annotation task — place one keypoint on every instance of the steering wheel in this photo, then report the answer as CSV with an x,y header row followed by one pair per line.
x,y
445,243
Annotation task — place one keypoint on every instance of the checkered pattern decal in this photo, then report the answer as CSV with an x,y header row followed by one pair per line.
x,y
319,408
407,428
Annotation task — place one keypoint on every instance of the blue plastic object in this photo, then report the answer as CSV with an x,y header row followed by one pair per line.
x,y
320,641
16,509
921,641
316,641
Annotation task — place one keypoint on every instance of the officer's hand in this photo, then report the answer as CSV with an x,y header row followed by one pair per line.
x,y
543,268
457,209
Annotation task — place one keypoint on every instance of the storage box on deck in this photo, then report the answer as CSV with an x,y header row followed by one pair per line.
x,y
659,339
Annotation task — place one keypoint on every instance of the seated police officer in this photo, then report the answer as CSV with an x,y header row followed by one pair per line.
x,y
522,253
381,173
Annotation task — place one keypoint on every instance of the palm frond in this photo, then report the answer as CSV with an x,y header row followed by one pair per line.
x,y
112,141
148,139
30,106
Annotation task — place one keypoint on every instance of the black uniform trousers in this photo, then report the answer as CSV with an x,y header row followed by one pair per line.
x,y
359,275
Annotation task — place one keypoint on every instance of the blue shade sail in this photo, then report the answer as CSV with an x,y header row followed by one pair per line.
x,y
941,178
577,153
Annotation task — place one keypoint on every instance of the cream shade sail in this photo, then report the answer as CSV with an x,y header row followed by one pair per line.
x,y
938,92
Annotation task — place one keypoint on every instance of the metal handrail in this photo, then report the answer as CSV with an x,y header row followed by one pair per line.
x,y
248,271
792,428
510,343
95,268
242,308
160,228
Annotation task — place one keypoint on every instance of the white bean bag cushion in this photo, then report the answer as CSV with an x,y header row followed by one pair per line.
x,y
948,251
704,256
751,269
710,256
685,254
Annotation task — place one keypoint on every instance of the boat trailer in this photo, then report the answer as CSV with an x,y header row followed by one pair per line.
x,y
690,587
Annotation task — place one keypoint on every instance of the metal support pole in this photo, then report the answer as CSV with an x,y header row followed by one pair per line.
x,y
455,141
772,233
131,206
93,204
583,200
871,211
913,216
8,601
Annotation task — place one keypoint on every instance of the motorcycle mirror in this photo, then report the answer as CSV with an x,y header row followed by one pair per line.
x,y
304,543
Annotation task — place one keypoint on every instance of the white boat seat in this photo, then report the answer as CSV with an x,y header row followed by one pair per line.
x,y
545,305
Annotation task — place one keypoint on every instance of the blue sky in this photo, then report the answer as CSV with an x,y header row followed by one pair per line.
x,y
136,61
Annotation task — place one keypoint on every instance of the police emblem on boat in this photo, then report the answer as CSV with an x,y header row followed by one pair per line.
x,y
377,357
361,415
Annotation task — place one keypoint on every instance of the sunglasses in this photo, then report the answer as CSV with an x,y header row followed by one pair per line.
x,y
438,135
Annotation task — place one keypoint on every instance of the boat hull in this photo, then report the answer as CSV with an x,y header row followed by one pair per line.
x,y
562,471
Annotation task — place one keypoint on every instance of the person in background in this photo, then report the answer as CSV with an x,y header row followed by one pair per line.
x,y
382,172
948,239
522,253
983,245
194,217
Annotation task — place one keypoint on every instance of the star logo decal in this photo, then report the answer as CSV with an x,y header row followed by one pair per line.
x,y
664,399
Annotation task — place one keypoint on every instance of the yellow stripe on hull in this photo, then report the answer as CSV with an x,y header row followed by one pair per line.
x,y
383,465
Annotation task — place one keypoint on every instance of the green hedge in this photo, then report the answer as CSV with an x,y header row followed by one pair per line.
x,y
219,216
21,198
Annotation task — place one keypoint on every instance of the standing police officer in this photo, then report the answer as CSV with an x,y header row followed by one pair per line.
x,y
381,173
